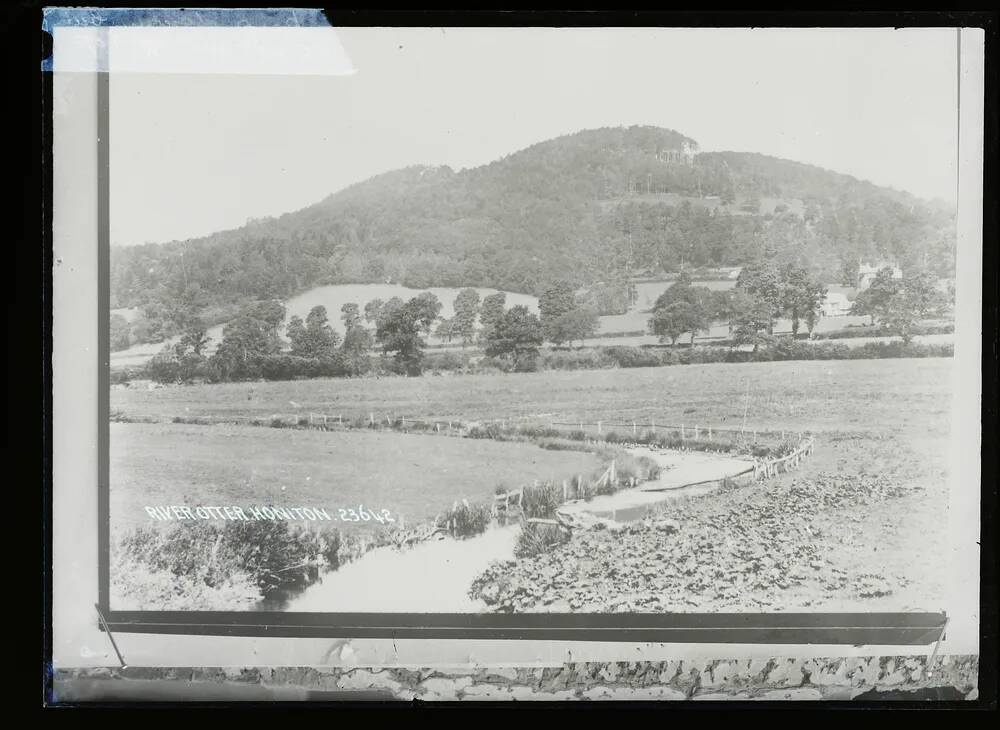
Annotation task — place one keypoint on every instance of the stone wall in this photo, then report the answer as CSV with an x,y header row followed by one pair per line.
x,y
853,678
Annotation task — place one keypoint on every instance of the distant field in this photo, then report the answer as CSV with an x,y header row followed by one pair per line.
x,y
834,395
414,475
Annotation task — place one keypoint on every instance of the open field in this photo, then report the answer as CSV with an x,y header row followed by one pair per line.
x,y
873,396
859,527
413,475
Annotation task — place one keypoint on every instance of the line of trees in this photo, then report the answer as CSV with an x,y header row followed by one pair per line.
x,y
764,293
900,304
252,345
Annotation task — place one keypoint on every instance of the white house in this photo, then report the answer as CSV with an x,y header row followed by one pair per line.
x,y
835,305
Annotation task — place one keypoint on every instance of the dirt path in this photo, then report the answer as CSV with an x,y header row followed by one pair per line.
x,y
432,577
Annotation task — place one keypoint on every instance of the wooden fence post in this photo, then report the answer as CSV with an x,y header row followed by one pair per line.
x,y
696,429
598,428
709,433
634,428
371,418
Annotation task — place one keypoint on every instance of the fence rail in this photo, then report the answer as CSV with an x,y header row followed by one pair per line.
x,y
770,467
685,431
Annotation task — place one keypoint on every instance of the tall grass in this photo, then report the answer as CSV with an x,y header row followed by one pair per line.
x,y
466,519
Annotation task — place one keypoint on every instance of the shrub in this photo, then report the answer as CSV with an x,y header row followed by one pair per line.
x,y
538,432
445,361
542,500
466,520
272,554
536,539
485,431
636,357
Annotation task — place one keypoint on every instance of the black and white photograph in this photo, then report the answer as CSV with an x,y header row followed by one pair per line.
x,y
539,321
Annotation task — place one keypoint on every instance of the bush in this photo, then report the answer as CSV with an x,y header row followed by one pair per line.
x,y
538,432
488,365
536,539
589,359
637,357
931,328
273,555
466,520
485,431
542,500
446,361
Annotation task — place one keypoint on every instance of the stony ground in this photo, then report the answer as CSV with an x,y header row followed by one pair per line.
x,y
769,679
842,533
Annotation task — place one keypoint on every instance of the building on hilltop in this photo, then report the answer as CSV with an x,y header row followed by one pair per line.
x,y
683,156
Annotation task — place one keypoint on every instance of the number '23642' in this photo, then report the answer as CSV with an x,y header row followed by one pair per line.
x,y
362,515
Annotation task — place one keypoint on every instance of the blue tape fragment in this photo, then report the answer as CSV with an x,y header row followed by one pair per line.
x,y
172,17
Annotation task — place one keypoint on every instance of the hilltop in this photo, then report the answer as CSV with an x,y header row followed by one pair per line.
x,y
595,206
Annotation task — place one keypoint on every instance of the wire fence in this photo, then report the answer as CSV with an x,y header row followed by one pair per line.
x,y
622,429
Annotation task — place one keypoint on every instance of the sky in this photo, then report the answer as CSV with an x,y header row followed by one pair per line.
x,y
195,154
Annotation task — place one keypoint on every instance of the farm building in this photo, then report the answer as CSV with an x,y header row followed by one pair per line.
x,y
835,305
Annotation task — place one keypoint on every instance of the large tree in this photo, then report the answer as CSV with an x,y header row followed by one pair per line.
x,y
874,300
463,324
245,341
398,331
754,324
490,312
516,336
314,339
357,343
195,338
802,295
729,304
372,310
762,280
427,307
578,324
350,315
914,299
682,308
556,301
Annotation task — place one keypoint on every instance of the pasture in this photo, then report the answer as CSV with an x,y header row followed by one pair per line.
x,y
413,475
872,396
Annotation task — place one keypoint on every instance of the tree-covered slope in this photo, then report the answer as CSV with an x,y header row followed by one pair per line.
x,y
586,207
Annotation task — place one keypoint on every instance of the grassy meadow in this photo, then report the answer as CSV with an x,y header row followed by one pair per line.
x,y
871,396
413,475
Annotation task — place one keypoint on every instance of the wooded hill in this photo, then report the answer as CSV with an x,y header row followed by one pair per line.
x,y
587,207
